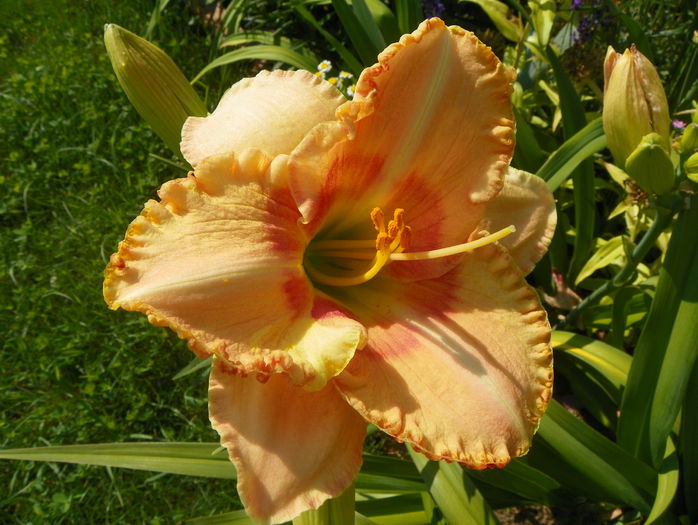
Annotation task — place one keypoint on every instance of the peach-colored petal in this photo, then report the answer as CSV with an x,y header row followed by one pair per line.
x,y
292,449
431,131
271,112
460,366
219,260
527,203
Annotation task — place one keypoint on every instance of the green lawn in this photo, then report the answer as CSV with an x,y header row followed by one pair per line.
x,y
76,166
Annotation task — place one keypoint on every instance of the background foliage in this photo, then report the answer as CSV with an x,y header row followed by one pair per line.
x,y
76,163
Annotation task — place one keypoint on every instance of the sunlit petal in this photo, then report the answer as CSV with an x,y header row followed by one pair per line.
x,y
219,260
526,202
292,449
431,132
459,366
271,112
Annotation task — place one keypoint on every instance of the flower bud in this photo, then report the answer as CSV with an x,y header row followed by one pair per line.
x,y
691,166
634,103
153,83
689,139
650,167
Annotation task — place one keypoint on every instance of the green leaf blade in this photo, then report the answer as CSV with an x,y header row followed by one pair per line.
x,y
262,52
456,495
587,463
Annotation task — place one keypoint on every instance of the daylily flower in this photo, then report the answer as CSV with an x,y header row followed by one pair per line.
x,y
278,256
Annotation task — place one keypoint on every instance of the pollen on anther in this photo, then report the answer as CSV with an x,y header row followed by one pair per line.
x,y
378,219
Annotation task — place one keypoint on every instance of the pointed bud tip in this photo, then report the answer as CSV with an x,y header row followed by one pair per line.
x,y
634,102
153,83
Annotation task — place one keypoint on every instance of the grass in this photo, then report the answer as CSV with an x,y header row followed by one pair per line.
x,y
75,167
76,164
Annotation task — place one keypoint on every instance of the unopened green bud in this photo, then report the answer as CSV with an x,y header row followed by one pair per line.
x,y
153,83
691,166
689,139
634,103
650,166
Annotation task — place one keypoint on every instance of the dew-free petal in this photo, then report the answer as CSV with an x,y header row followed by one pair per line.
x,y
219,260
460,366
527,203
271,112
293,449
431,131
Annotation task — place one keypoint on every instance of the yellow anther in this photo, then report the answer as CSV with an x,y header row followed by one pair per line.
x,y
405,239
378,219
383,242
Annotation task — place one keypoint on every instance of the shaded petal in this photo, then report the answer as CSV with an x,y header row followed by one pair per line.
x,y
271,112
459,366
292,449
527,203
431,132
219,260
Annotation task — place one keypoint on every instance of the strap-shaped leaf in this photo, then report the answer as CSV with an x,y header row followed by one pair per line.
x,y
192,459
207,460
677,365
609,252
667,485
517,484
592,393
262,52
574,120
667,347
689,446
409,15
259,37
621,302
350,60
360,36
236,517
589,464
610,364
194,365
454,492
369,24
386,20
339,509
393,509
566,158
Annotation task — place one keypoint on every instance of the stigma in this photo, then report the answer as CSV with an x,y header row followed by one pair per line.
x,y
344,262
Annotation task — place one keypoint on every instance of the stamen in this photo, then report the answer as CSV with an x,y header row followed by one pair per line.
x,y
388,246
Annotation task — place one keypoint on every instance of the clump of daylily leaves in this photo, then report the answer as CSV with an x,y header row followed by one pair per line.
x,y
348,262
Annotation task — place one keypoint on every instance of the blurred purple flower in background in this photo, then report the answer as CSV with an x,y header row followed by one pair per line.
x,y
591,16
433,8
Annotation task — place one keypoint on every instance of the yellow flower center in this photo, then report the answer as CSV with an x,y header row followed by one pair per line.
x,y
342,262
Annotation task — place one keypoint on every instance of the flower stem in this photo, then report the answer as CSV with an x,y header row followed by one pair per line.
x,y
661,221
339,511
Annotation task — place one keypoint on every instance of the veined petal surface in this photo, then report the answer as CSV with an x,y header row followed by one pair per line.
x,y
430,131
460,366
271,112
219,260
527,203
293,449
